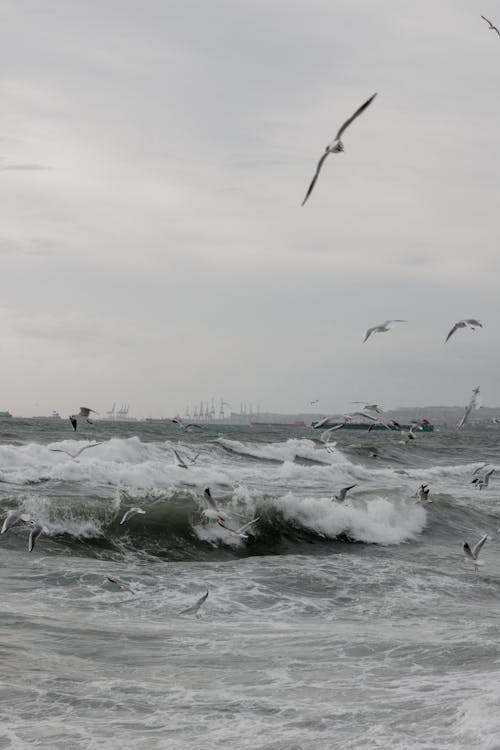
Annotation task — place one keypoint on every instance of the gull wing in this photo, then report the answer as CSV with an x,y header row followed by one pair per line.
x,y
477,548
492,27
313,181
180,460
130,513
61,450
12,518
85,447
369,332
321,423
353,117
34,534
194,607
345,490
460,324
247,525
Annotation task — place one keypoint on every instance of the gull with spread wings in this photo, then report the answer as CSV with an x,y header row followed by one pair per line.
x,y
473,554
74,455
492,28
336,145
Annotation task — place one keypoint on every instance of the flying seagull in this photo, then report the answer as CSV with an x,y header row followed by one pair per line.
x,y
491,25
84,413
74,455
483,481
336,145
240,532
382,328
35,532
343,492
423,493
470,406
194,607
188,427
370,407
130,514
13,518
473,554
467,322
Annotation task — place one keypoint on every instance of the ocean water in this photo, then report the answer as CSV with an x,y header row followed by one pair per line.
x,y
347,625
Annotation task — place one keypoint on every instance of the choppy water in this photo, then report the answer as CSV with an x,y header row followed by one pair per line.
x,y
334,625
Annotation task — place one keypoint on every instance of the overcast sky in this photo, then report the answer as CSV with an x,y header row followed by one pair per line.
x,y
154,156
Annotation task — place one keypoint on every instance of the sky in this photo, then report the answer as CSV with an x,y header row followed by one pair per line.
x,y
153,159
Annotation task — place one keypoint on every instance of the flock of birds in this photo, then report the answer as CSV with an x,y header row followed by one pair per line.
x,y
213,511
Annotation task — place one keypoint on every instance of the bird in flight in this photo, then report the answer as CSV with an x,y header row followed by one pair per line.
x,y
492,28
343,492
193,609
382,328
74,455
369,407
470,407
240,532
35,532
130,514
466,323
473,554
84,413
336,145
188,427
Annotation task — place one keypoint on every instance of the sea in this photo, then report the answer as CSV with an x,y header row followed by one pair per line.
x,y
354,624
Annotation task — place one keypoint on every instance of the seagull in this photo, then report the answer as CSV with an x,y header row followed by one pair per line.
x,y
213,511
382,328
343,493
239,532
36,530
483,481
336,145
423,493
178,421
370,407
84,413
467,322
470,406
13,518
473,554
180,460
491,25
195,607
325,436
130,514
74,455
409,434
